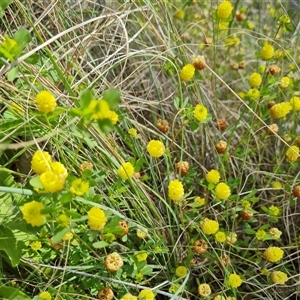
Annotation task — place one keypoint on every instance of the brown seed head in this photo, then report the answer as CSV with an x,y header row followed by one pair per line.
x,y
246,215
234,66
221,147
274,70
124,226
162,125
200,246
221,124
271,104
272,129
86,165
199,62
113,262
56,246
208,41
225,260
242,64
240,17
182,167
106,294
296,191
137,175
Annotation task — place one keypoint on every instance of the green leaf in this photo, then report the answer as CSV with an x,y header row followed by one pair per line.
x,y
86,97
12,74
139,163
4,3
146,271
10,245
58,236
194,126
113,97
289,27
22,37
101,244
249,231
12,293
105,125
66,198
33,59
36,183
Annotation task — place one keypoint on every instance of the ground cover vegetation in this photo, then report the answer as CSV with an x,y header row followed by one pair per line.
x,y
149,150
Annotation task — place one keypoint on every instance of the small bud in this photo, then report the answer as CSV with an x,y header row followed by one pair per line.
x,y
106,294
182,167
221,124
124,226
272,129
200,246
221,147
296,191
246,215
162,125
274,70
271,104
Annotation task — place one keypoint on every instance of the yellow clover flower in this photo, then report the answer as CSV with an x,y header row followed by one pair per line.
x,y
253,94
284,82
260,234
181,271
45,296
40,161
96,218
276,233
59,169
141,256
156,148
234,281
255,80
280,110
126,170
128,296
45,102
209,226
279,277
52,182
142,233
213,176
204,290
187,72
223,191
32,213
295,103
132,132
274,210
146,295
267,51
224,10
79,187
179,14
220,237
277,185
175,190
198,201
200,112
231,238
36,245
292,154
220,297
63,220
273,254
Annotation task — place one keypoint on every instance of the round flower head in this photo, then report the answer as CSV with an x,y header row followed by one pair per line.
x,y
279,277
260,234
274,210
132,132
52,182
142,234
273,254
253,94
128,296
32,213
280,110
45,296
209,226
295,103
179,14
220,297
284,82
199,62
255,80
141,256
224,10
182,167
292,154
204,290
113,262
213,176
220,237
156,148
40,162
200,112
105,293
234,281
36,245
181,271
96,218
146,295
187,72
200,246
126,170
231,238
276,233
175,190
59,169
79,187
45,102
223,191
162,125
113,117
267,51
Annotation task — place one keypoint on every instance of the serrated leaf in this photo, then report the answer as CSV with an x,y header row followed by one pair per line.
x,y
101,244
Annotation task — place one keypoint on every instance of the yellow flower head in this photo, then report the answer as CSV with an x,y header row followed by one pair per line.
x,y
156,148
113,117
142,234
175,190
220,237
267,51
52,182
63,220
198,201
277,185
187,72
255,80
260,234
45,296
141,256
126,170
253,94
179,14
96,218
295,103
284,82
204,290
279,277
67,236
59,169
45,102
213,176
146,295
223,191
132,132
274,210
276,233
40,162
231,238
128,296
79,187
292,154
220,297
273,254
209,226
36,245
234,281
181,271
280,110
200,112
224,10
32,213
